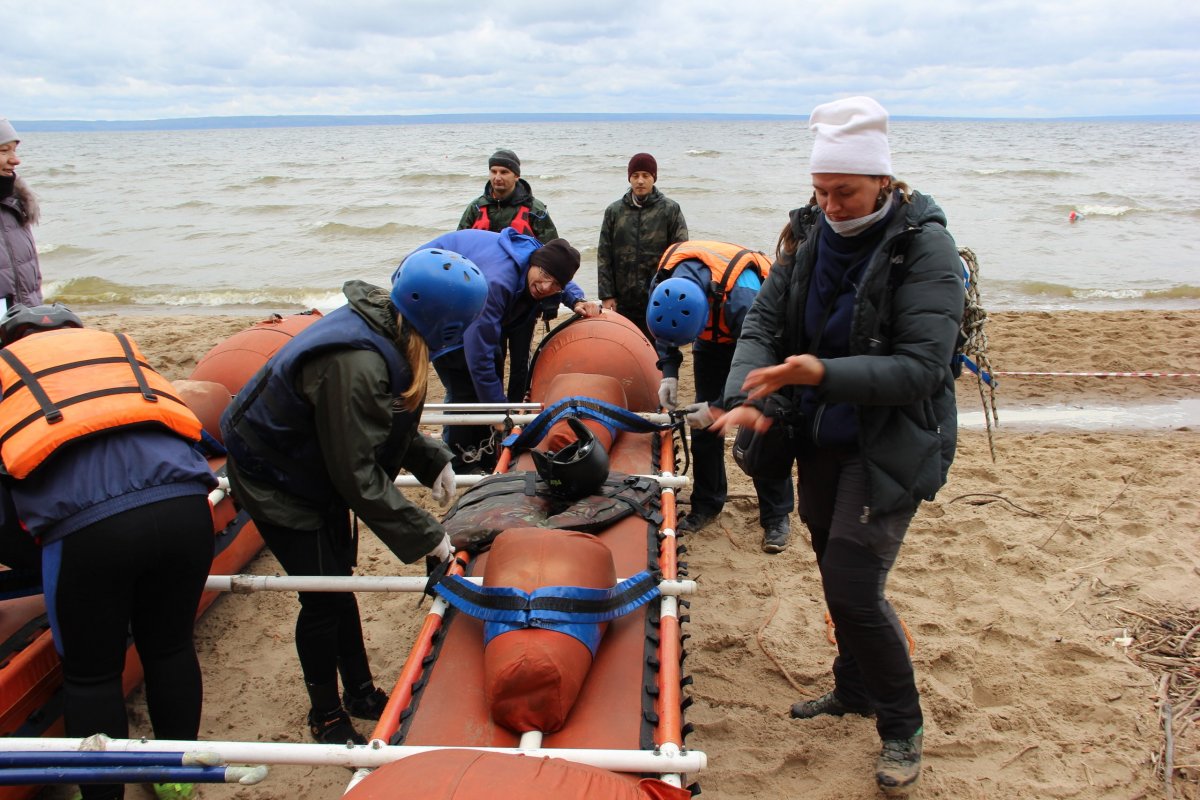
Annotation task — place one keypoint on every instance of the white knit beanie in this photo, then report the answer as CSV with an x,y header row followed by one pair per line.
x,y
851,138
7,132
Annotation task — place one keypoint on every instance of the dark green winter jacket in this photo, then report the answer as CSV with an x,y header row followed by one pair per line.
x,y
907,313
350,394
502,212
632,239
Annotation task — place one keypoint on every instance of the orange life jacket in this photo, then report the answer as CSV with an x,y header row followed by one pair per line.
x,y
726,262
520,222
60,386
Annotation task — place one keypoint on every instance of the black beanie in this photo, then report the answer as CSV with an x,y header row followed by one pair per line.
x,y
643,162
507,159
558,258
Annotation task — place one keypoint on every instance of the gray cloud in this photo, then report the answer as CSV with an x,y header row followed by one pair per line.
x,y
132,60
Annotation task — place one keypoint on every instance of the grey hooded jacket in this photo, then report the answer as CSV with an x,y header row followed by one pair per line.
x,y
20,273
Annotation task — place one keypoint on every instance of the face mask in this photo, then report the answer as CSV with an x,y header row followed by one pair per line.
x,y
853,227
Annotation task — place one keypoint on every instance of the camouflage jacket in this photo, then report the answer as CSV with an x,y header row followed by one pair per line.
x,y
501,212
632,240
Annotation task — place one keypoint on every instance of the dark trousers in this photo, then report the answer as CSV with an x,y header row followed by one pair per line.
x,y
517,343
465,441
872,668
709,483
140,571
329,638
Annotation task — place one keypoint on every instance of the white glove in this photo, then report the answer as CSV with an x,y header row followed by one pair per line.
x,y
442,551
699,415
443,487
668,393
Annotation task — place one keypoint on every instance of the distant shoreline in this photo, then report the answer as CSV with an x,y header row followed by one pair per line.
x,y
316,121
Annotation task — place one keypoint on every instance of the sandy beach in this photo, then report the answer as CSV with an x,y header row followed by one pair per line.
x,y
1019,584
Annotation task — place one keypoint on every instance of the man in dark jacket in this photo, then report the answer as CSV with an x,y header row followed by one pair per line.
x,y
636,231
508,202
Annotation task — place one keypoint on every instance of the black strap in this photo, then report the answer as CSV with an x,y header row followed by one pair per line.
x,y
138,375
49,410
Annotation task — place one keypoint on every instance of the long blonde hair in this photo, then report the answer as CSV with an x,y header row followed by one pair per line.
x,y
416,352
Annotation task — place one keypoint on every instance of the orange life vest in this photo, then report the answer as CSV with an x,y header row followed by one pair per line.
x,y
726,262
60,386
520,223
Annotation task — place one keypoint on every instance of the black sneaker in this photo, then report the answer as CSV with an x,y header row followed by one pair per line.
x,y
775,536
826,705
333,727
368,706
899,766
694,521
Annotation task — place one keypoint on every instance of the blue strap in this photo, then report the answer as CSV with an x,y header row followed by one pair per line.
x,y
986,377
612,417
574,610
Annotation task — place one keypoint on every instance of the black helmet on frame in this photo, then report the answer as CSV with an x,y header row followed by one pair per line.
x,y
578,469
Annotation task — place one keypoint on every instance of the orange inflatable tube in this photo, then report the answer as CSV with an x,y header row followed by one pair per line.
x,y
471,774
532,676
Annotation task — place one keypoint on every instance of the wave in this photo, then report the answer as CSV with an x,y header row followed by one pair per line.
x,y
63,251
1022,173
702,153
1097,210
94,291
388,229
1058,290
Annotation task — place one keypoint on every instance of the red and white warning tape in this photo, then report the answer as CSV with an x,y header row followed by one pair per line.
x,y
1104,374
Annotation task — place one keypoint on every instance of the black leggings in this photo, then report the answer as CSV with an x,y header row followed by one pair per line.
x,y
329,636
872,668
142,570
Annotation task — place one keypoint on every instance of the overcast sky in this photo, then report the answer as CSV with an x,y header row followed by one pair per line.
x,y
121,60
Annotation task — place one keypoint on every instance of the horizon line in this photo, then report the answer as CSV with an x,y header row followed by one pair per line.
x,y
350,120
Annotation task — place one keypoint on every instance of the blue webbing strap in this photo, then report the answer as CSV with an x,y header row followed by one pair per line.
x,y
612,417
574,610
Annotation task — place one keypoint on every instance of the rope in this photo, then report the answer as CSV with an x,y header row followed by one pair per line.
x,y
1106,374
976,345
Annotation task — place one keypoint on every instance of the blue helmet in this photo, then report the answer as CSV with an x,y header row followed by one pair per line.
x,y
439,293
677,312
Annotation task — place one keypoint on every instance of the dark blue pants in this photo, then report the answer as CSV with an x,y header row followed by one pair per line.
x,y
709,483
464,440
872,668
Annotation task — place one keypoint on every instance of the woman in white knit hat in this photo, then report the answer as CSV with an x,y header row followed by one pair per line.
x,y
20,274
854,332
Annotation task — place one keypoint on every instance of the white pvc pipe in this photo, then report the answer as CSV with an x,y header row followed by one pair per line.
x,y
451,407
515,419
246,584
665,481
530,740
374,754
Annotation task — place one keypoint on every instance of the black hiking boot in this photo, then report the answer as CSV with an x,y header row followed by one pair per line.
x,y
333,727
899,766
367,706
775,536
694,521
826,705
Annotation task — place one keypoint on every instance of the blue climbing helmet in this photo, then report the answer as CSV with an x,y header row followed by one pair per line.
x,y
677,312
439,293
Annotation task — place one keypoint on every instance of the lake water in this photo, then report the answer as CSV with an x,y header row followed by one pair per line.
x,y
276,219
